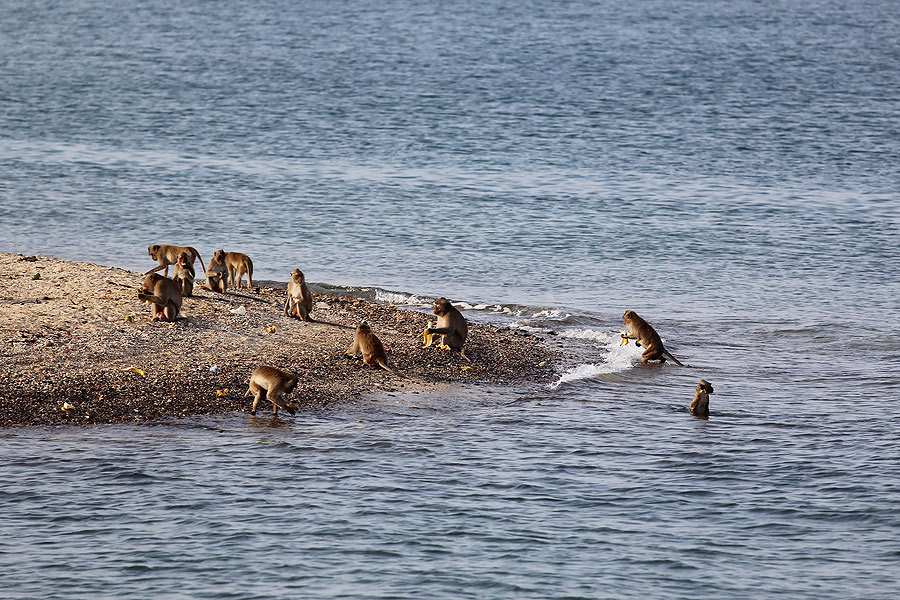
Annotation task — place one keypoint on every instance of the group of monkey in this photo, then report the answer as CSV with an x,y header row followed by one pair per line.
x,y
228,268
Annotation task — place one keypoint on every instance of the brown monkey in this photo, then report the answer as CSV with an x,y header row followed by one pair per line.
x,y
271,383
647,337
184,274
237,265
168,255
372,351
700,405
217,272
450,325
164,294
299,298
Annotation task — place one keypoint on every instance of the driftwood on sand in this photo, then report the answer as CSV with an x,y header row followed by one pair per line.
x,y
77,346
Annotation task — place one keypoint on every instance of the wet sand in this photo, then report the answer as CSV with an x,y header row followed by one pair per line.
x,y
70,332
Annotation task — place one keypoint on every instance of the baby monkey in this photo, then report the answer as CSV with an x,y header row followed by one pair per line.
x,y
271,383
369,345
700,405
184,274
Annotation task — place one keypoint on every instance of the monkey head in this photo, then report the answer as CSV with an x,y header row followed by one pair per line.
x,y
219,256
150,281
441,306
363,328
297,275
705,386
183,259
153,251
291,384
629,315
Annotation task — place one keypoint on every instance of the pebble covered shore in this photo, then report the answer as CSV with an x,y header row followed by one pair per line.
x,y
77,346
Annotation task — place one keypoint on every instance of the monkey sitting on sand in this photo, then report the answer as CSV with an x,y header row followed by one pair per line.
x,y
451,325
373,354
700,405
217,272
164,294
299,301
647,337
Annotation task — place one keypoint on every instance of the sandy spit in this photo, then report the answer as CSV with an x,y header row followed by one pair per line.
x,y
70,331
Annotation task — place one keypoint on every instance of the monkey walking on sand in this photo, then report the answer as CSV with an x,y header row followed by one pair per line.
x,y
647,337
167,255
271,384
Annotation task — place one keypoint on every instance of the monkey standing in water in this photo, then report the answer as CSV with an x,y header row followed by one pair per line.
x,y
647,337
164,294
700,405
271,383
299,299
450,325
217,272
237,265
373,353
184,274
168,255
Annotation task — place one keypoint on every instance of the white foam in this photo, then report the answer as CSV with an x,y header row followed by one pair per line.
x,y
401,299
551,315
617,357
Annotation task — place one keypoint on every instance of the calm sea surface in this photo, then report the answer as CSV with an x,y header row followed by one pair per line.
x,y
728,169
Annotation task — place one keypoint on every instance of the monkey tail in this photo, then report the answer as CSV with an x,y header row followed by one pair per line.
x,y
201,262
669,354
463,354
391,370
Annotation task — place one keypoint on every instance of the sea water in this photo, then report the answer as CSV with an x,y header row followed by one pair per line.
x,y
728,170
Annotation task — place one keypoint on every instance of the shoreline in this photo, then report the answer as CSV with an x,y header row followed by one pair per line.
x,y
71,331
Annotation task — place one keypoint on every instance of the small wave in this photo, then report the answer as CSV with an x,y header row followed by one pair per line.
x,y
388,296
616,356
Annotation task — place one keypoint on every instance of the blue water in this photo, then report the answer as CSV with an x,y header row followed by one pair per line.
x,y
729,170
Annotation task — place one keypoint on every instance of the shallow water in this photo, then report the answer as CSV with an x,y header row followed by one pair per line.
x,y
726,169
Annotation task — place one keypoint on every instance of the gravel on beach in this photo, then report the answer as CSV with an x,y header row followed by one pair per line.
x,y
77,346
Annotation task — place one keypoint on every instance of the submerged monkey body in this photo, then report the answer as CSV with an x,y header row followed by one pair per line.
x,y
700,404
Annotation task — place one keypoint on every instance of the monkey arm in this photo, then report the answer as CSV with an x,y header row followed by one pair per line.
x,y
440,331
155,269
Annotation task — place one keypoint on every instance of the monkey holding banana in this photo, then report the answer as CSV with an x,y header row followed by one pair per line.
x,y
700,405
647,337
299,301
271,383
451,325
164,294
168,255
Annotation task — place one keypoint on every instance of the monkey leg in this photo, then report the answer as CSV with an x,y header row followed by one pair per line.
x,y
258,394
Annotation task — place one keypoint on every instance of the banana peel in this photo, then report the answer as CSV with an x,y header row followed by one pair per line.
x,y
221,393
624,341
427,338
140,372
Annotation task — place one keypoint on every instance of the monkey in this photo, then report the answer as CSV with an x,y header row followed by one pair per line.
x,y
271,383
372,351
647,337
184,274
217,272
237,265
299,298
700,405
451,325
168,255
164,294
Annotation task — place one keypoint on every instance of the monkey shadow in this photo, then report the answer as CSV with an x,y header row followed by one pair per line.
x,y
268,421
